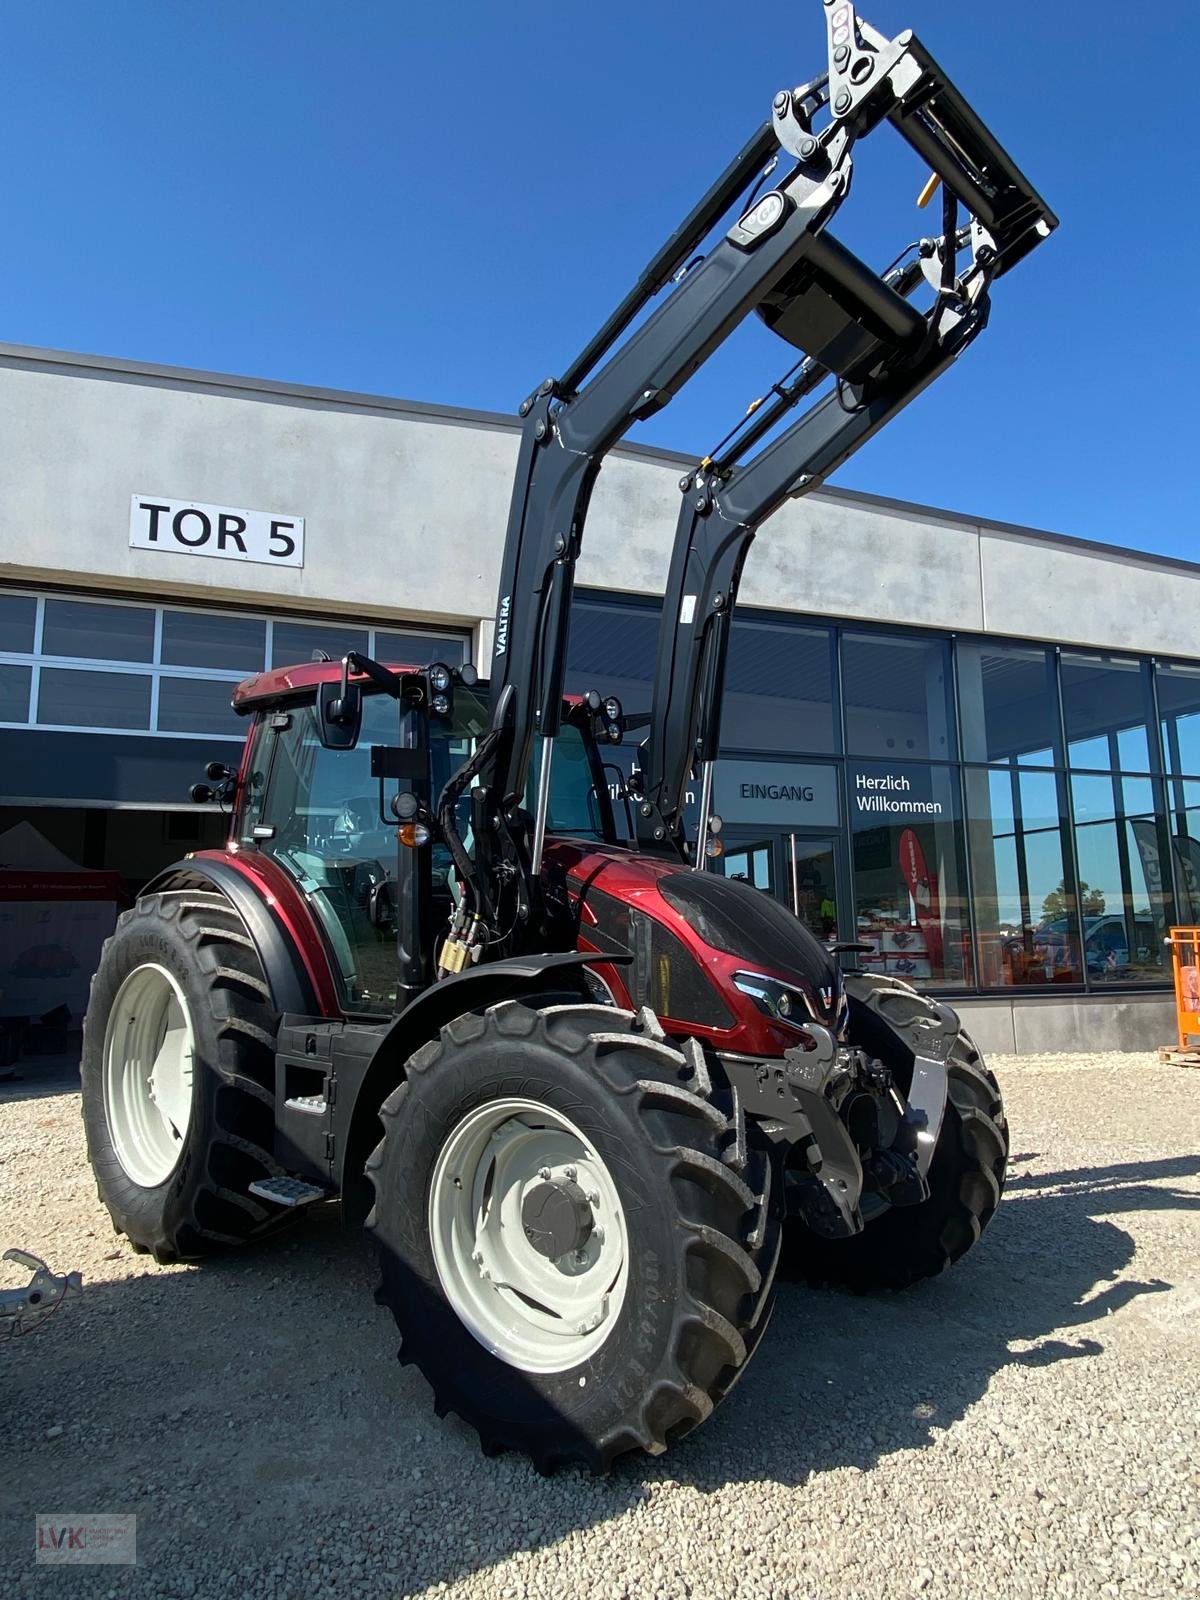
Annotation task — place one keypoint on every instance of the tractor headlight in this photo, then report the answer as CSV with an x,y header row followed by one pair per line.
x,y
439,677
441,704
612,709
777,1000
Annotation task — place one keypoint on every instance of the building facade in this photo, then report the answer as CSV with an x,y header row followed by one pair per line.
x,y
973,747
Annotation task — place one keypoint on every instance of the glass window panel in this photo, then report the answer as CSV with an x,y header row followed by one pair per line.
x,y
1092,753
1025,925
612,648
1179,706
1106,706
1137,796
14,693
909,882
1185,848
779,689
419,649
1092,798
90,631
18,613
78,699
210,639
295,642
197,705
897,696
1121,847
1008,704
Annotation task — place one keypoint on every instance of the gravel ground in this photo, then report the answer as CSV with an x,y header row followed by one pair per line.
x,y
1026,1425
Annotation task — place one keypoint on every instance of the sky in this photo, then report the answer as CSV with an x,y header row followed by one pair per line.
x,y
443,201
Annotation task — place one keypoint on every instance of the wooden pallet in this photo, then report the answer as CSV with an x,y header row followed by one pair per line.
x,y
1175,1057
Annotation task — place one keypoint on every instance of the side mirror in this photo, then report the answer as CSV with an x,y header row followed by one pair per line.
x,y
339,715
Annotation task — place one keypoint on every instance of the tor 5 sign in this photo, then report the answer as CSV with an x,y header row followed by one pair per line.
x,y
188,527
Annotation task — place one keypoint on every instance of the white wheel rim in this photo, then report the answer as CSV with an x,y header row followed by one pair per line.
x,y
532,1312
149,1060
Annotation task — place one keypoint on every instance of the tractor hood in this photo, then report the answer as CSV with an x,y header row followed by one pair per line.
x,y
749,924
692,934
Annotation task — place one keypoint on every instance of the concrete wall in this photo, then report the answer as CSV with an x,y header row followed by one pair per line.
x,y
405,508
1035,1025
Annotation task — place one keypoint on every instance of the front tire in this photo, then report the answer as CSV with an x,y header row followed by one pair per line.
x,y
493,1117
178,1071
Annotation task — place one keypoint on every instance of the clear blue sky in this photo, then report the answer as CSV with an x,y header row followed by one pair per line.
x,y
442,201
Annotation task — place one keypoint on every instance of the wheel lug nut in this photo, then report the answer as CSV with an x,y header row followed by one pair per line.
x,y
544,1174
593,1197
571,1174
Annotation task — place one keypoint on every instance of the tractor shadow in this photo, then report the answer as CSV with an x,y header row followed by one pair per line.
x,y
278,1421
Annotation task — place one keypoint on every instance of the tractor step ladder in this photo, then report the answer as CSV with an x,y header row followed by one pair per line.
x,y
288,1191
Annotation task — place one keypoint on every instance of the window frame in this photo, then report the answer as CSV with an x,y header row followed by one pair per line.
x,y
156,669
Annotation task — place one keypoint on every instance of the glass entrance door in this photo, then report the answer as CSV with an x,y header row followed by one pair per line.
x,y
752,862
812,882
799,869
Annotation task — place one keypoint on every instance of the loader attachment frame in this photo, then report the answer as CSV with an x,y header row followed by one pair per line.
x,y
775,256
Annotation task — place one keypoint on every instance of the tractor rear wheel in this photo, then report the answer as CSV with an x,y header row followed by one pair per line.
x,y
178,1075
577,1243
966,1179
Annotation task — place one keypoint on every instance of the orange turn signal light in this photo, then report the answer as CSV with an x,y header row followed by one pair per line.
x,y
412,834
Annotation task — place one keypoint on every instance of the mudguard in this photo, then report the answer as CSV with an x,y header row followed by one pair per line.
x,y
363,1084
290,986
484,986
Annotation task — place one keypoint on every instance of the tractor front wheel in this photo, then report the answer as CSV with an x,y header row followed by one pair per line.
x,y
966,1179
577,1244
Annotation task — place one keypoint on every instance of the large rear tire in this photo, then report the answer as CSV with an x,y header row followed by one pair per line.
x,y
178,1076
593,1116
966,1180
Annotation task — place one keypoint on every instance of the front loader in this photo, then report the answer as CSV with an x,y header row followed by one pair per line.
x,y
586,1088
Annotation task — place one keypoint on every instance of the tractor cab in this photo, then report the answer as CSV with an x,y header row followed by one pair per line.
x,y
340,799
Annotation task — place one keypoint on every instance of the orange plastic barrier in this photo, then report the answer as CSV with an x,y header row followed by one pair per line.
x,y
1185,958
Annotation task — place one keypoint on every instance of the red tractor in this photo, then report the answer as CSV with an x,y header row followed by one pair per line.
x,y
589,1088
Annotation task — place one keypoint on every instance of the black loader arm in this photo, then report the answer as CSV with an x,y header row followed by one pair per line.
x,y
872,351
774,256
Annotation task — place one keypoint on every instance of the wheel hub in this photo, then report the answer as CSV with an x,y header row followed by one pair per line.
x,y
556,1217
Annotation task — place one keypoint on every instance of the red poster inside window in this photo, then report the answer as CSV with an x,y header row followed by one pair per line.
x,y
922,890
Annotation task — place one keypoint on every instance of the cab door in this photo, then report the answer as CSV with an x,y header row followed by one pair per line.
x,y
315,811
